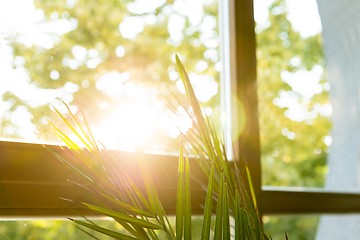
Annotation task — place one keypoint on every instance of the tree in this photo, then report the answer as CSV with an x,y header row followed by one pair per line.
x,y
124,40
119,44
294,152
291,149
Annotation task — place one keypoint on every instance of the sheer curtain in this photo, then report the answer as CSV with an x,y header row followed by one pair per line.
x,y
341,33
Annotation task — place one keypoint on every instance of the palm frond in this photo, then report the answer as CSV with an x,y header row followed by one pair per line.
x,y
140,212
104,231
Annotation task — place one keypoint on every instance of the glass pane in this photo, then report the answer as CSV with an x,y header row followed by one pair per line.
x,y
304,227
48,230
112,60
309,93
65,229
300,227
293,91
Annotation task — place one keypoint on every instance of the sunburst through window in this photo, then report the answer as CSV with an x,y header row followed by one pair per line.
x,y
114,61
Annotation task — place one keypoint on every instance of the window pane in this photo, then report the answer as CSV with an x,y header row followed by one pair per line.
x,y
293,91
47,230
301,227
65,229
113,61
309,93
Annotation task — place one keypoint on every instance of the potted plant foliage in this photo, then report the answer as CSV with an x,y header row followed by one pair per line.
x,y
229,212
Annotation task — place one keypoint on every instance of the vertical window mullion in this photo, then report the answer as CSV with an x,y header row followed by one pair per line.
x,y
246,124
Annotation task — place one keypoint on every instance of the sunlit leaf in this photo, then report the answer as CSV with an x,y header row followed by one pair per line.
x,y
187,201
219,211
115,214
104,231
205,234
180,197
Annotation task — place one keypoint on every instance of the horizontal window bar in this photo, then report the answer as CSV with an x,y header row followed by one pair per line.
x,y
290,202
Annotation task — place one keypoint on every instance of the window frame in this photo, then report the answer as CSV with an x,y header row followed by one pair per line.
x,y
32,180
274,200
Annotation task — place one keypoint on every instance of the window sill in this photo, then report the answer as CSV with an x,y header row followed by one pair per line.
x,y
33,181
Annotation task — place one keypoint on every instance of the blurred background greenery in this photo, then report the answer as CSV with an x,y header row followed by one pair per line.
x,y
100,57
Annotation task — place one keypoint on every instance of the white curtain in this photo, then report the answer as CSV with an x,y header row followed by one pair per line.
x,y
341,33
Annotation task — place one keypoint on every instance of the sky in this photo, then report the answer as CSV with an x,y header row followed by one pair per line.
x,y
302,14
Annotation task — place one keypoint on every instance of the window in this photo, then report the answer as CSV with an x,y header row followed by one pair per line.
x,y
318,167
294,102
32,190
114,62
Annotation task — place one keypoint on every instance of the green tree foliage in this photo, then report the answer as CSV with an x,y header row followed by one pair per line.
x,y
114,36
94,44
65,230
293,149
45,230
301,227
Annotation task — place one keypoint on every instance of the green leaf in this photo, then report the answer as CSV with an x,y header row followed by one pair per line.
x,y
205,233
104,231
64,160
187,200
251,187
130,208
226,222
153,197
114,214
87,232
219,211
238,230
179,196
71,125
200,123
64,138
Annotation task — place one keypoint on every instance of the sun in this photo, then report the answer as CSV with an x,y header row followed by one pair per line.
x,y
133,122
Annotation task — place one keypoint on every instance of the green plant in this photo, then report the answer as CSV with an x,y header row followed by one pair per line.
x,y
141,213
